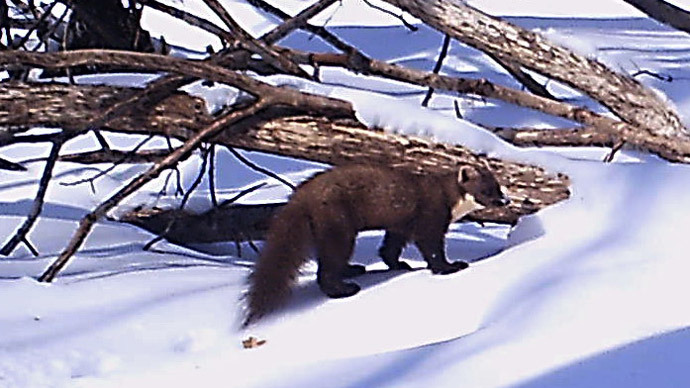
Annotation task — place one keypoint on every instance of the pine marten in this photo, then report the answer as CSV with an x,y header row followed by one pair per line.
x,y
325,213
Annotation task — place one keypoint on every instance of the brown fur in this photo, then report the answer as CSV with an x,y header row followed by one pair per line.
x,y
327,211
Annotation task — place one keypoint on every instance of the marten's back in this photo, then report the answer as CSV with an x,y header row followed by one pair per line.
x,y
364,196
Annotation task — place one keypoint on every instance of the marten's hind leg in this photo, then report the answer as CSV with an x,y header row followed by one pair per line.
x,y
333,249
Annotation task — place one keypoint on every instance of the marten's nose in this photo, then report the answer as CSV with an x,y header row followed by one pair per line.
x,y
503,201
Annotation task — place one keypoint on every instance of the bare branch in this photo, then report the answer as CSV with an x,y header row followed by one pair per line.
x,y
558,137
107,170
115,156
298,21
254,45
437,67
11,166
319,31
87,222
189,18
525,79
664,12
212,175
676,149
621,94
400,17
37,206
335,139
199,69
260,169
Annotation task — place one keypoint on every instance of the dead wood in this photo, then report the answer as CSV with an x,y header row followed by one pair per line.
x,y
115,156
246,41
10,166
437,67
37,206
335,139
559,137
101,210
621,94
675,149
236,223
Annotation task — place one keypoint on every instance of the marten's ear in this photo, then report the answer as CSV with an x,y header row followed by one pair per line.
x,y
465,173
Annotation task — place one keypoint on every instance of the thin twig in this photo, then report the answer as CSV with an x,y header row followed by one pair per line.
x,y
665,78
30,247
400,17
133,151
37,206
189,18
298,21
617,147
260,169
456,106
212,175
38,23
526,80
185,198
319,31
250,43
101,140
242,193
10,166
437,67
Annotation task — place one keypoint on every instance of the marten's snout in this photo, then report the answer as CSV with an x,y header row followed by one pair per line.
x,y
503,201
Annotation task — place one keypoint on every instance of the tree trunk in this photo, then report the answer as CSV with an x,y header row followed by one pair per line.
x,y
332,140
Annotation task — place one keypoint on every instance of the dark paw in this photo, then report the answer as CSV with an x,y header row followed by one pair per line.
x,y
449,268
342,290
400,266
353,270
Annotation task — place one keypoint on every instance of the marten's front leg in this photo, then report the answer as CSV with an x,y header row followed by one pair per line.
x,y
433,250
390,250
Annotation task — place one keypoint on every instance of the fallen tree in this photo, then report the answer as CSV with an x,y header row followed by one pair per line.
x,y
289,122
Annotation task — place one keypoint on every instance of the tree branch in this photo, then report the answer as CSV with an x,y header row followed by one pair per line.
x,y
198,69
37,206
249,43
675,149
559,137
87,222
437,68
664,12
334,139
624,96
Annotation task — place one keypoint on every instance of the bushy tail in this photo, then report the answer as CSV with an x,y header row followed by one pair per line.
x,y
284,252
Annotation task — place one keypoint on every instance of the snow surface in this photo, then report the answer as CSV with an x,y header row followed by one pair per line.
x,y
587,293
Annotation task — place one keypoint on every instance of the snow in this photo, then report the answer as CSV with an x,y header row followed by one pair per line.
x,y
589,292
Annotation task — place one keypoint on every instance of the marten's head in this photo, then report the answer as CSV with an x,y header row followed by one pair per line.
x,y
481,186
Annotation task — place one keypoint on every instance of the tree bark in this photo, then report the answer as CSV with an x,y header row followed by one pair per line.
x,y
334,140
624,96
